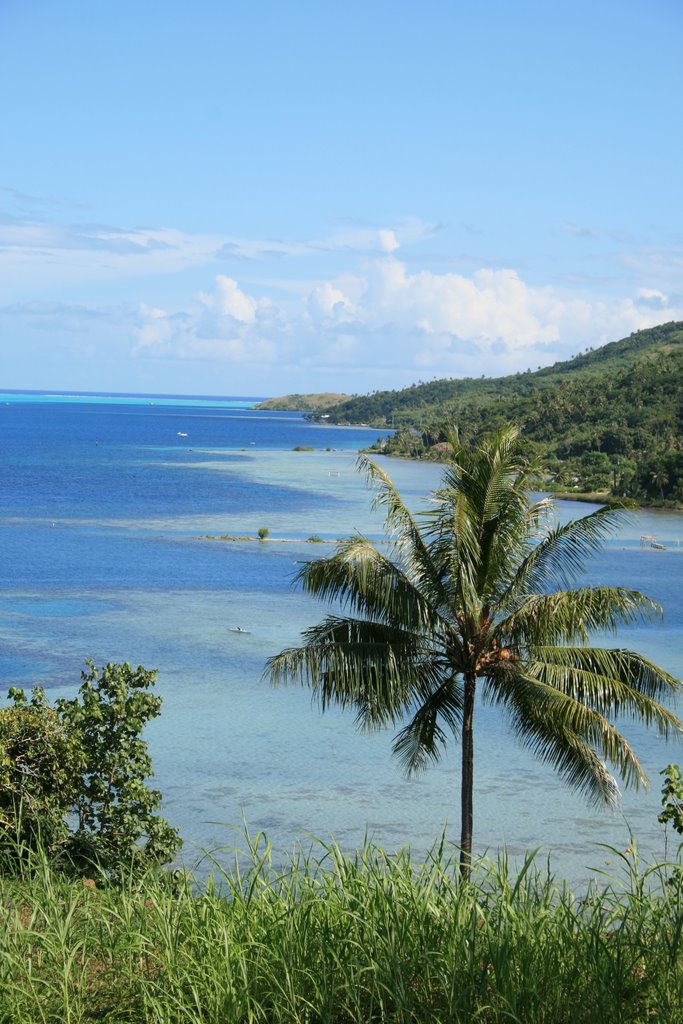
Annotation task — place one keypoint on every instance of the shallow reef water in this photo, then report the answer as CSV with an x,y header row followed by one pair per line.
x,y
103,508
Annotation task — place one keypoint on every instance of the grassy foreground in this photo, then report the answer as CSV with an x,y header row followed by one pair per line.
x,y
334,938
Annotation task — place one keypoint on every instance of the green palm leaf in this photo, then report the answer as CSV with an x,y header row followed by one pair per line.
x,y
560,557
612,682
408,541
567,734
358,664
566,616
367,582
423,739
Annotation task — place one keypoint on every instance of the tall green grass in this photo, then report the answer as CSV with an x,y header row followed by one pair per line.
x,y
337,939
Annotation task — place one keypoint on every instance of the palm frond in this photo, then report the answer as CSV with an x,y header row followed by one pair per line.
x,y
408,541
504,477
566,616
352,663
454,545
366,582
616,682
516,543
568,735
560,557
482,510
422,740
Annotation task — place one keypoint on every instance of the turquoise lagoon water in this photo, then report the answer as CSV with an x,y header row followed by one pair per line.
x,y
103,505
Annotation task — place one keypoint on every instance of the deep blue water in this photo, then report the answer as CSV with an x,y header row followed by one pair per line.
x,y
75,461
103,505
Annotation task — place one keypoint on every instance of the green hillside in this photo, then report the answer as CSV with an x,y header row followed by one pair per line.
x,y
302,403
610,419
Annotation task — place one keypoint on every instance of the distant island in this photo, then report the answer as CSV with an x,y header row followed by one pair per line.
x,y
304,403
606,423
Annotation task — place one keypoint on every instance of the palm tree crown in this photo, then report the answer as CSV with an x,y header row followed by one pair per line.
x,y
479,592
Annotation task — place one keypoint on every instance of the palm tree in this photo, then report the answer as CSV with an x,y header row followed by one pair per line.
x,y
478,592
660,480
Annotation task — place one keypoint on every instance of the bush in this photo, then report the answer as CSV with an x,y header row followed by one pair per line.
x,y
263,532
40,761
73,776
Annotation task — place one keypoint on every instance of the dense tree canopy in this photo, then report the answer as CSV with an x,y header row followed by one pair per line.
x,y
609,420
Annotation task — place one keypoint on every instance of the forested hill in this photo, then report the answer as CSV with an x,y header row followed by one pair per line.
x,y
608,419
302,403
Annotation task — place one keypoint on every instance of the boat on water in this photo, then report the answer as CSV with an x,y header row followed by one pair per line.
x,y
238,629
648,538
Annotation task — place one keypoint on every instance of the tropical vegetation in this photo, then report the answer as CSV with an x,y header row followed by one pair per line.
x,y
481,593
478,594
302,403
607,420
73,778
333,938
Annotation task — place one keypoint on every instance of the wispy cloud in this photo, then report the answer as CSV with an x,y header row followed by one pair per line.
x,y
58,249
39,309
661,266
361,295
55,253
69,317
594,233
353,239
26,200
579,230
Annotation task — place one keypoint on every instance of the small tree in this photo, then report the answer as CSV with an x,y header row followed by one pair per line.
x,y
117,825
40,764
80,770
672,813
672,798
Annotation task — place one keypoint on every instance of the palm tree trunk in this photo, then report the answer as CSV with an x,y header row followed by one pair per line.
x,y
467,778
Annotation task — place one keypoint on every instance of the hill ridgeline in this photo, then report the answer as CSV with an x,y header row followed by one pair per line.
x,y
609,420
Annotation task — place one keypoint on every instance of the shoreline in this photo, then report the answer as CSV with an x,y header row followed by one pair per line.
x,y
604,498
588,497
236,537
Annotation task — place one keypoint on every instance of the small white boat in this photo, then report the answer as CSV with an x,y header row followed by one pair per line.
x,y
238,629
180,434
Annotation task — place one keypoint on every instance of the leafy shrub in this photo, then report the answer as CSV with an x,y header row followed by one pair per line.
x,y
74,775
40,762
672,798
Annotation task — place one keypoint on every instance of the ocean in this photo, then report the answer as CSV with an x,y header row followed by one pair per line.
x,y
105,506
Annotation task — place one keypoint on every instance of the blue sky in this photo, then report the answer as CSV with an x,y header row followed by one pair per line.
x,y
232,198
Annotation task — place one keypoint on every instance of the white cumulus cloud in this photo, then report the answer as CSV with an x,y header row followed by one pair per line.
x,y
491,321
227,299
331,303
489,306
